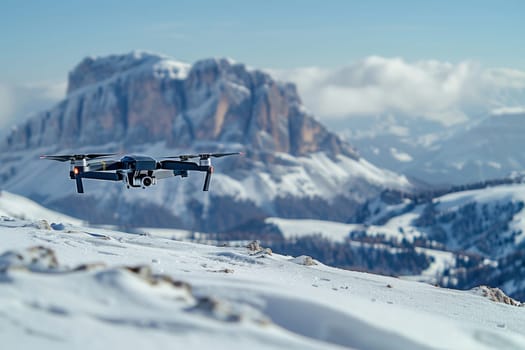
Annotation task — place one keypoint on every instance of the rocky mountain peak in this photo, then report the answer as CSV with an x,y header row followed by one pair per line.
x,y
142,97
92,70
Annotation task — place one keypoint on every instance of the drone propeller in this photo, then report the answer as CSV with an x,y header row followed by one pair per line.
x,y
73,157
204,156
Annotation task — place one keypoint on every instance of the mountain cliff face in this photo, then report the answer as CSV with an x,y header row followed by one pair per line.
x,y
151,104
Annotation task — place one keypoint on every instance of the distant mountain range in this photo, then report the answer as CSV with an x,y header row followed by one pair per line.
x,y
151,104
483,149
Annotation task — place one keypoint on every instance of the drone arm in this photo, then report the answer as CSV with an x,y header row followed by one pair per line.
x,y
94,175
100,176
178,165
105,166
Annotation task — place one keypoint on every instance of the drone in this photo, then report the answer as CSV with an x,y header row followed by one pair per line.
x,y
135,170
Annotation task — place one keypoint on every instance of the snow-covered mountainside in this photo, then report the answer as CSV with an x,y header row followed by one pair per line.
x,y
85,288
150,104
460,238
486,220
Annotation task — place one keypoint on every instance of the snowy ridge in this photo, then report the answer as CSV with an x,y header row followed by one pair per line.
x,y
99,288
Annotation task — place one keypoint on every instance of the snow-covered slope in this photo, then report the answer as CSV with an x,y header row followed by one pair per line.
x,y
12,205
82,288
468,220
483,228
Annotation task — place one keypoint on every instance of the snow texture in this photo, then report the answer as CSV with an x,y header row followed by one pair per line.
x,y
86,288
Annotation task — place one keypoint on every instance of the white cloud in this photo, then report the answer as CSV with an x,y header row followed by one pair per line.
x,y
502,111
47,90
440,91
506,78
19,102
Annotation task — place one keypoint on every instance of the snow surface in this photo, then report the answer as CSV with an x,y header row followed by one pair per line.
x,y
203,297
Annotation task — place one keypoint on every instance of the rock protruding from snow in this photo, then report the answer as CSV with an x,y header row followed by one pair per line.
x,y
496,295
256,249
304,260
36,258
227,312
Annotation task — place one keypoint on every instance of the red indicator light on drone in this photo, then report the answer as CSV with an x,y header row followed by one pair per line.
x,y
75,171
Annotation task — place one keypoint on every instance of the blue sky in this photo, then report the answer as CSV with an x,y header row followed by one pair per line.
x,y
43,40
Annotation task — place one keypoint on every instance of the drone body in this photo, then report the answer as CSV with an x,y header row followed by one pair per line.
x,y
134,170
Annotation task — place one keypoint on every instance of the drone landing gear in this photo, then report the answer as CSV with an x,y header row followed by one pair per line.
x,y
80,187
207,179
